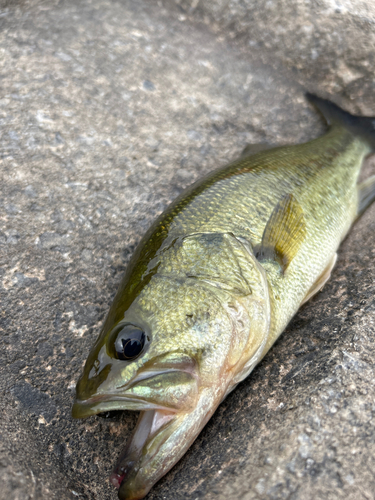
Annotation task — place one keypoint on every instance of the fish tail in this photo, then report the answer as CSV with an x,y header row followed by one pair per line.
x,y
360,126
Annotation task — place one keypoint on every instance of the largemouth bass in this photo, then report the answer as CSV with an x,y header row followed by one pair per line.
x,y
214,282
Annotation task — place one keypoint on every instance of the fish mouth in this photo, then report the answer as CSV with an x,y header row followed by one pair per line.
x,y
151,424
164,395
154,426
153,420
159,440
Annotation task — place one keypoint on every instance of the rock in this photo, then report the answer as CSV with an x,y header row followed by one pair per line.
x,y
330,41
108,110
33,401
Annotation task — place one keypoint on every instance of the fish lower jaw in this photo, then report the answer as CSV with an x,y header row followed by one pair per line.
x,y
149,424
160,439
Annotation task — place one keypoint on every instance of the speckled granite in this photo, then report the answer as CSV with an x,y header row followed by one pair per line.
x,y
108,110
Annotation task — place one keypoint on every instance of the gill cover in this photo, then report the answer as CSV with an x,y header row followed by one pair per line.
x,y
228,266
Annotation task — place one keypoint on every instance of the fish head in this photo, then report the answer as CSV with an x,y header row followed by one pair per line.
x,y
153,358
174,354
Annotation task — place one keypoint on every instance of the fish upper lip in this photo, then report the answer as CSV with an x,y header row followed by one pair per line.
x,y
95,404
114,397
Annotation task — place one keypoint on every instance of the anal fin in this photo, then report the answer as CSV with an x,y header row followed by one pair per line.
x,y
366,194
321,281
284,233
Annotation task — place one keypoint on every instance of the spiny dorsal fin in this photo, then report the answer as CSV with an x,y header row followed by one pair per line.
x,y
284,232
253,149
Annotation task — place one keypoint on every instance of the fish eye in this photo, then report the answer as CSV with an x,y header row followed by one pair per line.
x,y
129,342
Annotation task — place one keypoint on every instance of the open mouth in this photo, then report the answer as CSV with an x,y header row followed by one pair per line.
x,y
148,425
163,395
152,420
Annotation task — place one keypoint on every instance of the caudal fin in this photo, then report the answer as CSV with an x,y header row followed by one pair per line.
x,y
361,126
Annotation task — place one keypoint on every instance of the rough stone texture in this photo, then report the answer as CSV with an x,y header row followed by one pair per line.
x,y
107,110
335,38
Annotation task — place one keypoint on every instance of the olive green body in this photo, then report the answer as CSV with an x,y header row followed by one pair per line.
x,y
214,282
239,199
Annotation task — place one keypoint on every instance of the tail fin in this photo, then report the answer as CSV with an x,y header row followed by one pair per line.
x,y
360,126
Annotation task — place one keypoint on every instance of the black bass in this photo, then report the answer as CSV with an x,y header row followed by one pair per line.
x,y
214,282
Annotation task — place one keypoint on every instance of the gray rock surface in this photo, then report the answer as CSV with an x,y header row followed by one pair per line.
x,y
108,110
332,38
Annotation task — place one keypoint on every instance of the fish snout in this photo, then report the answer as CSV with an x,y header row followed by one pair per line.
x,y
168,383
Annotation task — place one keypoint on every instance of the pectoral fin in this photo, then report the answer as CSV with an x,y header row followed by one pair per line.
x,y
321,281
366,194
284,233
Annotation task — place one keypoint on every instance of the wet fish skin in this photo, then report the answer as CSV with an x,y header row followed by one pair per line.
x,y
213,284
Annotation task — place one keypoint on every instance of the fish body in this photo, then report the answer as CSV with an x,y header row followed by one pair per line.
x,y
214,282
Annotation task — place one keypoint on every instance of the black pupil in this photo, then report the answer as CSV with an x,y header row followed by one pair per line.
x,y
130,342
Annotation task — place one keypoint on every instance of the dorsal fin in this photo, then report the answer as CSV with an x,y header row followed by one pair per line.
x,y
253,149
284,233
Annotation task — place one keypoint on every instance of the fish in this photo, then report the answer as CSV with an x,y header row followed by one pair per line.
x,y
214,282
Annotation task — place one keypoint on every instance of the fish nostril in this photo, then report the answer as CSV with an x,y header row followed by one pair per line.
x,y
90,382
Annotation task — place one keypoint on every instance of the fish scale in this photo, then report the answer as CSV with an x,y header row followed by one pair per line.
x,y
241,198
214,282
